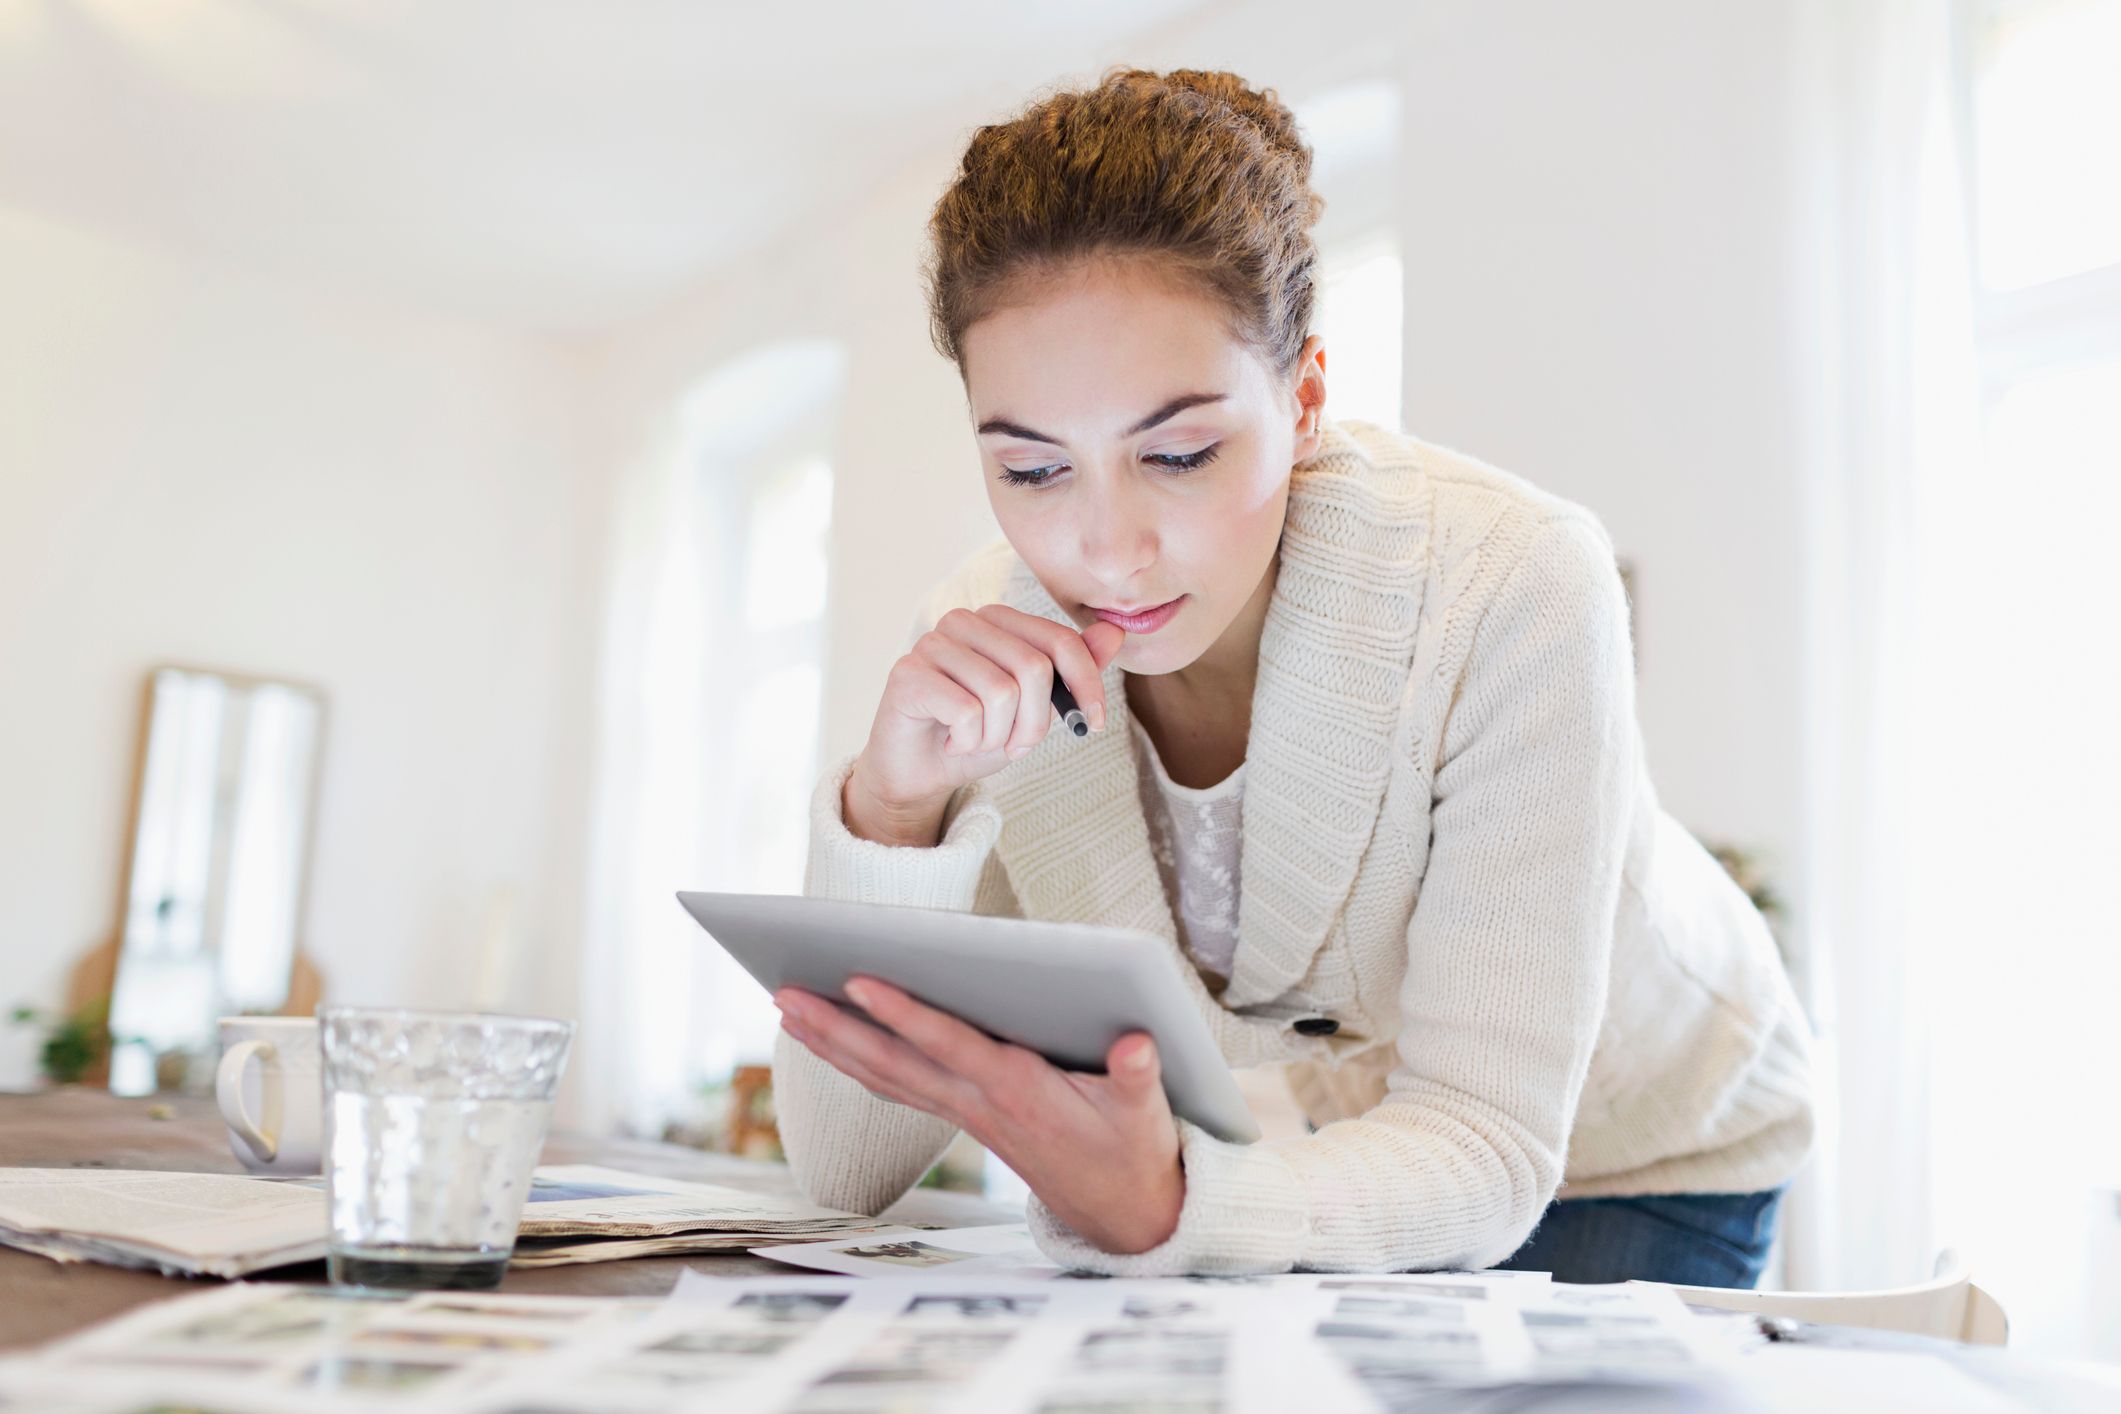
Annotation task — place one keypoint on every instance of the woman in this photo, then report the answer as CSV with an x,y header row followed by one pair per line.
x,y
1366,759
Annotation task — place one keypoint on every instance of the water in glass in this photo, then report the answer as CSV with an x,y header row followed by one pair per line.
x,y
433,1126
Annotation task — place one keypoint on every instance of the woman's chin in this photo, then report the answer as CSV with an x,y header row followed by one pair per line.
x,y
1150,656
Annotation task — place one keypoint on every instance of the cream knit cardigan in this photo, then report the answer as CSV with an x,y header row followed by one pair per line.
x,y
1451,848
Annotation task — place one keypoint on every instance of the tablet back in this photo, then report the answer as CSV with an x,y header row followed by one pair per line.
x,y
1065,990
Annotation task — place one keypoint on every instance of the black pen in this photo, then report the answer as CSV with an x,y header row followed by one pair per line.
x,y
1071,711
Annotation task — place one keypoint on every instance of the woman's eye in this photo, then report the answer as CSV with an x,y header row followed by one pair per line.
x,y
1035,476
1190,461
1039,475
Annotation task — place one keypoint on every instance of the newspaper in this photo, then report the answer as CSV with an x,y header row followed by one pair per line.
x,y
571,1199
226,1225
585,1213
197,1224
568,1251
814,1344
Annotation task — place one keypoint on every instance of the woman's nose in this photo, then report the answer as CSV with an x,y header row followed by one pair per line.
x,y
1119,537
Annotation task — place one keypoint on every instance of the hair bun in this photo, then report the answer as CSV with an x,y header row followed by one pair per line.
x,y
1262,106
1194,168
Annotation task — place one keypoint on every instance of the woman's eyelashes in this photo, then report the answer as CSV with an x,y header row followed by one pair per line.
x,y
1191,461
1168,461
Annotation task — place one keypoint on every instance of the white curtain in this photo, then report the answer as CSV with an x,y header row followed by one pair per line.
x,y
1894,409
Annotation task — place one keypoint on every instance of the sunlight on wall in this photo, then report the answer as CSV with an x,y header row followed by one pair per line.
x,y
710,733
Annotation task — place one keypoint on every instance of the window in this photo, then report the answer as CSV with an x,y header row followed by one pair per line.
x,y
710,738
767,606
2021,682
1353,130
2046,108
1359,316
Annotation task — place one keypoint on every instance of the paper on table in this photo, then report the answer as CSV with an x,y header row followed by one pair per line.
x,y
569,1200
1008,1250
569,1251
1859,1382
1397,1336
1012,1346
271,1347
1247,1346
198,1223
1002,1250
229,1225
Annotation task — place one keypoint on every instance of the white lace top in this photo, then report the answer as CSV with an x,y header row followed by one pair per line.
x,y
1195,836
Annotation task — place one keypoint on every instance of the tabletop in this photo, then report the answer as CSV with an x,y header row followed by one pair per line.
x,y
76,1127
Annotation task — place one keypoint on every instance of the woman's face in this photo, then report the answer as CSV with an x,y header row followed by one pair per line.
x,y
1138,454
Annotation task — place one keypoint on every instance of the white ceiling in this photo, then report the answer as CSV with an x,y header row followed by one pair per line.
x,y
538,163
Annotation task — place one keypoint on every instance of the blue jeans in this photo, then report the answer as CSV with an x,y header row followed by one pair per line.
x,y
1693,1239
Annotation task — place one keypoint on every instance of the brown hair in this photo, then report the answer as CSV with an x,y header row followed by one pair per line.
x,y
1192,168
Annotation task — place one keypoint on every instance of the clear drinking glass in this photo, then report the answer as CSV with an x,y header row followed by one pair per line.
x,y
432,1125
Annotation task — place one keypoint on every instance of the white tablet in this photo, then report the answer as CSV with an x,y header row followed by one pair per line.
x,y
1065,990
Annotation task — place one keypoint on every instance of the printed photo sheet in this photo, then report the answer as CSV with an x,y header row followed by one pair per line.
x,y
1005,1250
822,1344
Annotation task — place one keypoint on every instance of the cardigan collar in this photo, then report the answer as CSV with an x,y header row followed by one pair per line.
x,y
1334,658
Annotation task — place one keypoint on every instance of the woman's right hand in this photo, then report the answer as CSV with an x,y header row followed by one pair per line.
x,y
973,694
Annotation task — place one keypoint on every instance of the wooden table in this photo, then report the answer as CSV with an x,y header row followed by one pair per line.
x,y
41,1300
75,1127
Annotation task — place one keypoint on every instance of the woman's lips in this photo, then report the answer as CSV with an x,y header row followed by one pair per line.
x,y
1147,621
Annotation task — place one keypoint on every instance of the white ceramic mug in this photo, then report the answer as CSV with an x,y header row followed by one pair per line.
x,y
270,1086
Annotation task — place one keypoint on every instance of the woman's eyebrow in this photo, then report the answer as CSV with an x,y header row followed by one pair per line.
x,y
1168,411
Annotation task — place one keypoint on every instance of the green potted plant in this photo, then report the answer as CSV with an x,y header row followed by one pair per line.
x,y
74,1044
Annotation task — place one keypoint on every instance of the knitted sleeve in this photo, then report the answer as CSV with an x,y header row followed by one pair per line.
x,y
1508,950
846,1147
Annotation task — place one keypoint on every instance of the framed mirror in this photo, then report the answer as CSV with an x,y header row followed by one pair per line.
x,y
217,873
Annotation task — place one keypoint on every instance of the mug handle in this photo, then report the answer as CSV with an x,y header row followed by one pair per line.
x,y
228,1093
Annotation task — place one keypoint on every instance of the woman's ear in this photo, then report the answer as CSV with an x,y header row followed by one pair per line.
x,y
1310,390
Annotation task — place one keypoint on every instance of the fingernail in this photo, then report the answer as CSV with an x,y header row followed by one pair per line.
x,y
1017,751
860,995
1140,1059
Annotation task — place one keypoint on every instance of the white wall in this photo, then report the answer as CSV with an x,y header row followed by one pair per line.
x,y
906,504
1594,254
1617,262
1599,206
1598,210
907,498
206,466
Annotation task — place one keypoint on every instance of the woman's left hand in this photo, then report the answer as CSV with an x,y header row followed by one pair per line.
x,y
1100,1151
